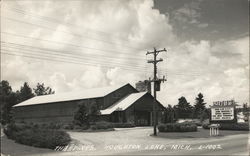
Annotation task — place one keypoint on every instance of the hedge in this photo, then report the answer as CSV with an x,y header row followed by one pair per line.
x,y
37,137
205,126
102,125
123,125
177,127
231,126
197,123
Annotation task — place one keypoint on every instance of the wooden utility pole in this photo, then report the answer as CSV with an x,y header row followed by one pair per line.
x,y
156,84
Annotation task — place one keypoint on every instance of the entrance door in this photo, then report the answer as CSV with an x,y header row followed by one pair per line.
x,y
142,118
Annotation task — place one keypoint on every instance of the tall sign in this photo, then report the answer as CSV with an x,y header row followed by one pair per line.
x,y
223,112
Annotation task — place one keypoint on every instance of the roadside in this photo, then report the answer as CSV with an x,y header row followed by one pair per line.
x,y
114,143
201,133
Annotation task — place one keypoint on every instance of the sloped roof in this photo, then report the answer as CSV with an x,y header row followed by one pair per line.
x,y
69,96
123,104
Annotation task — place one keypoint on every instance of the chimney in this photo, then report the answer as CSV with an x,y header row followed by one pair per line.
x,y
143,86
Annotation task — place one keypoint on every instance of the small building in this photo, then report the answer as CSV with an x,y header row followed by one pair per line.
x,y
116,104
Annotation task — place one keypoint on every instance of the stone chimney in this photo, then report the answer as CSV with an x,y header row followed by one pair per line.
x,y
143,86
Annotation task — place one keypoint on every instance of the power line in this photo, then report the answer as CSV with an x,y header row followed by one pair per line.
x,y
88,63
62,43
31,14
66,52
82,59
74,62
79,59
72,34
179,73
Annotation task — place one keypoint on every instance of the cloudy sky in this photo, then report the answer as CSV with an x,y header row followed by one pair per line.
x,y
73,45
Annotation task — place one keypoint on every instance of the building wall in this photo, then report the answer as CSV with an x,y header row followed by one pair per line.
x,y
130,114
52,112
139,112
63,112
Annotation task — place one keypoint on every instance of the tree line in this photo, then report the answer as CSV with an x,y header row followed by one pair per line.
x,y
9,98
184,110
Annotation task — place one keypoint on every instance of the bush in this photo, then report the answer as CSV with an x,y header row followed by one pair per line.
x,y
231,126
11,129
236,126
123,125
52,126
205,126
102,125
37,137
68,126
177,127
196,122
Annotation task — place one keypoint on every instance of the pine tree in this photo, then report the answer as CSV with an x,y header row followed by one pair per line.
x,y
42,90
93,111
7,100
199,105
184,108
81,117
25,92
169,115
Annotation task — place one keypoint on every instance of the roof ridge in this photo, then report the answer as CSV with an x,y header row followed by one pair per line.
x,y
73,95
128,97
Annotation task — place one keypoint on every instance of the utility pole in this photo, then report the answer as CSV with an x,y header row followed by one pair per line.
x,y
156,82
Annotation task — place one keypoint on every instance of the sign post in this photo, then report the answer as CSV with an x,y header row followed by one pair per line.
x,y
222,112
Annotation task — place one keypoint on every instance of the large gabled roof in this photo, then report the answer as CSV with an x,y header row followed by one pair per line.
x,y
123,104
70,96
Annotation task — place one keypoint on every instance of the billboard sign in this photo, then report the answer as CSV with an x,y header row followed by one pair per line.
x,y
223,111
223,103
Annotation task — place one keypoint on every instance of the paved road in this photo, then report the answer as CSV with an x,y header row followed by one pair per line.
x,y
137,141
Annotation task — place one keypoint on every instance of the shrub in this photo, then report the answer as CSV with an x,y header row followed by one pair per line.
x,y
236,126
196,122
11,129
123,125
54,126
102,125
37,137
81,117
231,126
205,126
177,127
68,126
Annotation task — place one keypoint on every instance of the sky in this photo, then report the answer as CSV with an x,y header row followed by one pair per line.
x,y
74,45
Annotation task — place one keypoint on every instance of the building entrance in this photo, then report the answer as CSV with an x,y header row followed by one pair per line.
x,y
142,118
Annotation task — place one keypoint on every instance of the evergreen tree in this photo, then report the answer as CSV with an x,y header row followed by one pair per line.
x,y
7,100
81,117
184,108
42,90
93,111
25,92
169,115
199,105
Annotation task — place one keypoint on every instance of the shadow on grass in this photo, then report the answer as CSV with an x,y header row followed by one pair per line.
x,y
10,148
200,133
